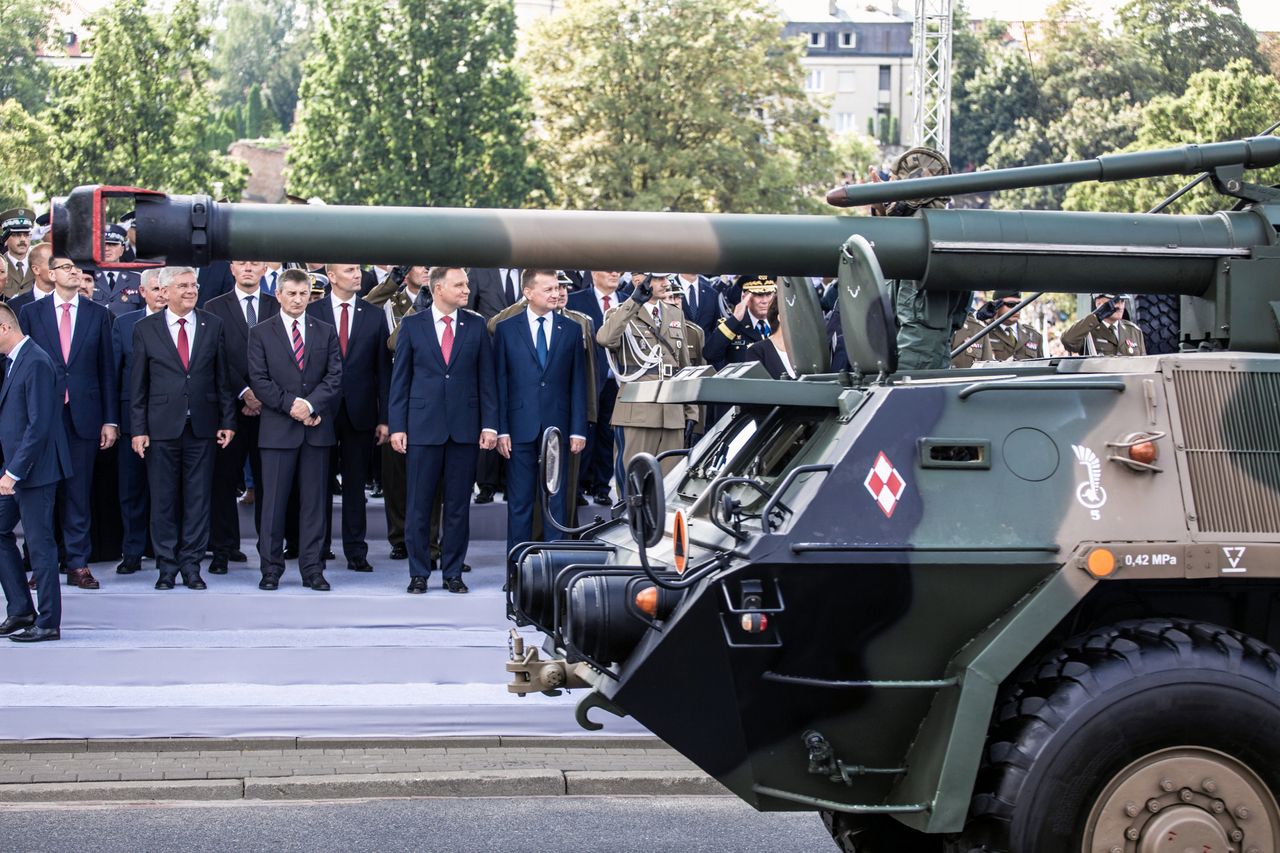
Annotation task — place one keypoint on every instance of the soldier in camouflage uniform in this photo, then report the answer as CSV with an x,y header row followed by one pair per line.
x,y
1105,331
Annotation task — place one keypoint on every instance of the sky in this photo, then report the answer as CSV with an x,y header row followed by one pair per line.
x,y
1262,15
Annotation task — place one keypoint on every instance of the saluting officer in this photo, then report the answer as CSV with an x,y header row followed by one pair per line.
x,y
748,324
1105,331
1009,341
645,341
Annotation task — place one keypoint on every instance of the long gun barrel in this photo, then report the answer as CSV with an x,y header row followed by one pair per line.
x,y
1253,153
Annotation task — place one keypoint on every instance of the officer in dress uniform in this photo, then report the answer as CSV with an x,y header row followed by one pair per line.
x,y
748,324
119,291
1010,341
1105,331
646,341
15,239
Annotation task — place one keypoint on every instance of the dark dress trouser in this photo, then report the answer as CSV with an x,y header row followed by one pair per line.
x,y
75,494
228,465
310,466
352,458
135,510
180,476
450,467
34,505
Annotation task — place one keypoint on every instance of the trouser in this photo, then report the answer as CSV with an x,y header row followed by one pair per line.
x,y
926,321
34,505
524,495
489,471
597,458
75,496
135,510
351,458
652,440
393,502
310,466
228,468
448,469
179,473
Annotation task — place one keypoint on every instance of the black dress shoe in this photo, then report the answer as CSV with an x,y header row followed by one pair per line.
x,y
359,565
466,567
164,583
328,554
399,552
376,491
36,635
237,556
485,496
14,624
318,583
582,499
417,585
129,565
195,582
455,585
218,567
269,583
291,553
602,498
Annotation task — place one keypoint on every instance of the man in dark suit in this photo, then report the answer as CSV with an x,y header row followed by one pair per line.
x,y
360,418
135,511
35,460
492,291
181,402
443,406
240,310
699,300
541,371
597,464
76,335
116,287
295,370
215,280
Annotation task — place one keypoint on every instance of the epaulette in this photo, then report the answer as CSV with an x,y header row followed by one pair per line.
x,y
724,329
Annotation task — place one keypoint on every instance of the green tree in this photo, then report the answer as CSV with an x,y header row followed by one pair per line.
x,y
135,115
996,96
1217,106
261,43
692,105
24,147
1181,37
23,25
439,117
971,52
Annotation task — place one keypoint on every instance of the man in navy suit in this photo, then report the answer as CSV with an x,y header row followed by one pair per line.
x,y
360,418
597,463
215,280
76,335
241,309
181,402
443,408
116,287
541,371
36,459
135,510
699,300
295,370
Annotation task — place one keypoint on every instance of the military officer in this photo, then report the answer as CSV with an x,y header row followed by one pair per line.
x,y
646,340
1105,331
1009,341
694,344
979,350
748,324
15,234
120,291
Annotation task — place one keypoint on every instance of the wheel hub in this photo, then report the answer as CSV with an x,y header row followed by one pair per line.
x,y
1184,800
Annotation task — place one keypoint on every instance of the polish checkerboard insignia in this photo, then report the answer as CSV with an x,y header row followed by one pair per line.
x,y
885,484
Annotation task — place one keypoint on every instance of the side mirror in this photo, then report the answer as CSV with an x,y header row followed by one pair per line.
x,y
646,500
550,469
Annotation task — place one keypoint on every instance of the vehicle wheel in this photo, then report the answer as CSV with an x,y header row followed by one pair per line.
x,y
1132,736
1160,318
876,834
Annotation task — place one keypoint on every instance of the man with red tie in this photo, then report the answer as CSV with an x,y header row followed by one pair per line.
x,y
443,411
182,401
76,334
295,370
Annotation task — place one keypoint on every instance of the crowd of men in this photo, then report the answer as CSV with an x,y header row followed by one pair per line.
x,y
182,387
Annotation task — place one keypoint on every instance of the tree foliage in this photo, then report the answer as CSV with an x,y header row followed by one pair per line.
x,y
1181,37
23,25
414,102
260,43
692,105
24,147
135,115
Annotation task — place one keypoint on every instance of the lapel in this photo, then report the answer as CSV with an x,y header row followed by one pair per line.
x,y
80,328
13,372
162,329
558,326
527,336
433,342
202,331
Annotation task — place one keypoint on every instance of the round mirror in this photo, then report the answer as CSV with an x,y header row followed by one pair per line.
x,y
646,500
550,469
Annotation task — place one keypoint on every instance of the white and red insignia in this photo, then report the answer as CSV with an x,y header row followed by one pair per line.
x,y
885,484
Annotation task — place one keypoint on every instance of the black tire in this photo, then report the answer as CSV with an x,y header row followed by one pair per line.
x,y
876,834
1105,700
1160,318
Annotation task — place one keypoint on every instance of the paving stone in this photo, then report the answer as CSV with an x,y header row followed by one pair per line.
x,y
646,782
499,784
128,791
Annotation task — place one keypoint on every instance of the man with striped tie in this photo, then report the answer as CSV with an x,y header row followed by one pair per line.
x,y
295,370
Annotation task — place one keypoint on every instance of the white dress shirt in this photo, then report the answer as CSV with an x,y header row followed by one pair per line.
x,y
172,320
337,313
58,302
242,296
37,293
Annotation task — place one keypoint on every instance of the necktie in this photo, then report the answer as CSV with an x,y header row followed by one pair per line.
x,y
64,336
606,302
542,342
691,296
250,316
342,330
184,346
111,283
511,287
271,287
446,340
298,352
22,270
763,328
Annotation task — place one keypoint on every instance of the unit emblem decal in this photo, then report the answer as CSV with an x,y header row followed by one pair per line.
x,y
1090,493
885,484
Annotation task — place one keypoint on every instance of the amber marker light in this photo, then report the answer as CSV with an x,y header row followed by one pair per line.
x,y
647,601
679,542
1144,452
1101,562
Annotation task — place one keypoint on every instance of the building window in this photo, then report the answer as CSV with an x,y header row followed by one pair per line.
x,y
885,72
813,80
817,40
848,40
846,122
847,81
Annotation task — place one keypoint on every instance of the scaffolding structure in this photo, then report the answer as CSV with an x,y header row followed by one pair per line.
x,y
931,75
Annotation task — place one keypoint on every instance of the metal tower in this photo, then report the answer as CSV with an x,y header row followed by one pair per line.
x,y
931,75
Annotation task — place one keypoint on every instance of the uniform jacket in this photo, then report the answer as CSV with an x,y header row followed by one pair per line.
x,y
235,331
276,381
32,439
126,291
727,343
164,393
1091,336
980,350
366,368
14,283
89,375
671,340
532,398
395,303
584,303
436,403
1016,342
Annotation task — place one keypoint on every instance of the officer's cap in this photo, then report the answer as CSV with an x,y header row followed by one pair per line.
x,y
115,236
562,279
1001,295
126,221
19,220
319,281
758,284
1106,296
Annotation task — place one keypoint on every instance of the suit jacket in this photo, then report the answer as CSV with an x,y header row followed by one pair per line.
x,y
122,348
530,397
215,280
276,381
235,332
89,375
489,292
433,402
164,393
366,368
22,300
708,305
127,290
584,302
31,434
14,283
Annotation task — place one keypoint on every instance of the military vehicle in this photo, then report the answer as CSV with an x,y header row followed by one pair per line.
x,y
1025,607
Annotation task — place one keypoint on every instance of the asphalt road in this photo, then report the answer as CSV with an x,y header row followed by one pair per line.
x,y
454,825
